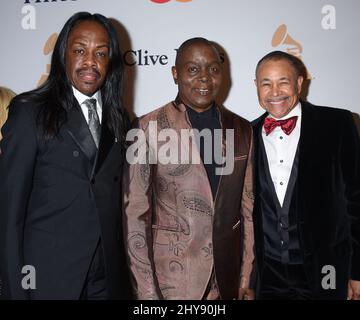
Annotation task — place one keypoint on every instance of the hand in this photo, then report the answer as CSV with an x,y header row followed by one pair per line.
x,y
353,290
246,294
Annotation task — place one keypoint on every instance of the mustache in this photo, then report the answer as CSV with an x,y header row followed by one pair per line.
x,y
88,70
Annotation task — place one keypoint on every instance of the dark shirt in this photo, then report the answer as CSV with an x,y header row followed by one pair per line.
x,y
208,119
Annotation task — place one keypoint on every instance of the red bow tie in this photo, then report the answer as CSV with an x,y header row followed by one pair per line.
x,y
286,125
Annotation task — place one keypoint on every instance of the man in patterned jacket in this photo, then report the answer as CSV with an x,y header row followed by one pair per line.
x,y
188,224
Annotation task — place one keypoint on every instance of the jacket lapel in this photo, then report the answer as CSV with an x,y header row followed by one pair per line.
x,y
107,140
80,133
257,126
307,136
308,143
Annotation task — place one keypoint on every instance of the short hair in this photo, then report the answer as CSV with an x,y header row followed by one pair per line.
x,y
197,40
295,62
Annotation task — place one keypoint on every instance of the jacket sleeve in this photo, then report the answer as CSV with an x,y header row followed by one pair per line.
x,y
137,218
17,161
350,159
247,205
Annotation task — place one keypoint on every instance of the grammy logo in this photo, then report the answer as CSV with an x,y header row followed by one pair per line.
x,y
48,48
282,37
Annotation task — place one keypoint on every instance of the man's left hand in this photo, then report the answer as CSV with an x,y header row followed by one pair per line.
x,y
354,290
246,294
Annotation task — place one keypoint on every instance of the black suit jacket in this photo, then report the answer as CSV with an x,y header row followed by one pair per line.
x,y
58,197
326,197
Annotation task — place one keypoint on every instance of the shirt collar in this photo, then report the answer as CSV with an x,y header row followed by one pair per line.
x,y
181,106
80,97
210,113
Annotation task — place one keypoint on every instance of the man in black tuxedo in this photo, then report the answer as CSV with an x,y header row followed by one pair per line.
x,y
60,169
307,184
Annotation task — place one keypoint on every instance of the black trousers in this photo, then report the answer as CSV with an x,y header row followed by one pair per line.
x,y
95,283
283,282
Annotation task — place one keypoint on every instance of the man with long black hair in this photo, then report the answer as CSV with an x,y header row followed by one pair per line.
x,y
60,168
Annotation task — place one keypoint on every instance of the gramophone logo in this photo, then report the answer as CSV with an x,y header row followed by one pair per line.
x,y
48,49
282,37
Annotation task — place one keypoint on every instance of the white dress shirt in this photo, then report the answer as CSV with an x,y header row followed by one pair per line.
x,y
280,151
80,97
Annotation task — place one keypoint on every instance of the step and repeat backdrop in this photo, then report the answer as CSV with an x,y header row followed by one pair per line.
x,y
324,34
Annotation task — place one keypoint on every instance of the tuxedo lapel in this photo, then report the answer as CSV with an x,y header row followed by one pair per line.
x,y
106,142
308,142
257,126
309,145
80,133
258,123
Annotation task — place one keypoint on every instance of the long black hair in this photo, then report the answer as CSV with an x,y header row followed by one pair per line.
x,y
56,94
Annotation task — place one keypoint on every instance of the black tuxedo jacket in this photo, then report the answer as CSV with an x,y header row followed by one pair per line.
x,y
325,199
58,197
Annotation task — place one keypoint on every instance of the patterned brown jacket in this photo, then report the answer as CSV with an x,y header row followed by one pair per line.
x,y
177,235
